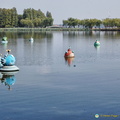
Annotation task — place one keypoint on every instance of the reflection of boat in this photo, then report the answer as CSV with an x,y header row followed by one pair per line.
x,y
7,63
69,60
8,78
1,75
9,73
69,54
97,47
4,40
97,43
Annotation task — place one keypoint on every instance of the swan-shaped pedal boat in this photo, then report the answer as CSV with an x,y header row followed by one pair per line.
x,y
4,40
97,43
31,39
69,54
7,63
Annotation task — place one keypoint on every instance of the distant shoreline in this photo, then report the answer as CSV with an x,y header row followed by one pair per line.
x,y
53,29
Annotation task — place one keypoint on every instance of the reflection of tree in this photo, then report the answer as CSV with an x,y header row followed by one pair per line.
x,y
108,34
77,34
12,36
71,34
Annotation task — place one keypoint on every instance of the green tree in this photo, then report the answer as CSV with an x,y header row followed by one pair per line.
x,y
1,17
106,22
98,23
109,22
8,18
117,22
47,22
72,22
20,17
37,18
28,14
83,23
89,23
14,17
29,18
26,22
40,14
79,22
48,14
65,23
37,22
4,17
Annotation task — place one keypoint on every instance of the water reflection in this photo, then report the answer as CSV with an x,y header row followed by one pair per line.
x,y
97,47
97,51
4,46
8,79
74,34
43,64
69,61
12,36
88,34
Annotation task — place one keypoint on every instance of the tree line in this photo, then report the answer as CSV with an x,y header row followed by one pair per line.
x,y
90,23
29,18
9,18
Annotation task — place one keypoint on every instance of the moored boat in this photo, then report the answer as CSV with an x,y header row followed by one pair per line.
x,y
97,43
7,63
4,40
9,68
31,39
69,54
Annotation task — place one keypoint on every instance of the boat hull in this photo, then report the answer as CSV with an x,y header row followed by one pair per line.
x,y
69,56
96,44
9,68
4,42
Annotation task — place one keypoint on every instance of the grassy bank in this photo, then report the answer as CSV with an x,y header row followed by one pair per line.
x,y
38,29
51,29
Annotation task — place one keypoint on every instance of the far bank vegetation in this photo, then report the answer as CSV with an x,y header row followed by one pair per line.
x,y
108,23
9,18
31,18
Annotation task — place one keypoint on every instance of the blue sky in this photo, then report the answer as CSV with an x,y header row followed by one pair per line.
x,y
64,9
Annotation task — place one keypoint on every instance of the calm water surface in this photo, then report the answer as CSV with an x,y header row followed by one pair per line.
x,y
48,87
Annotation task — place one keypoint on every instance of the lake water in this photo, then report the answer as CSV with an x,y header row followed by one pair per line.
x,y
48,87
